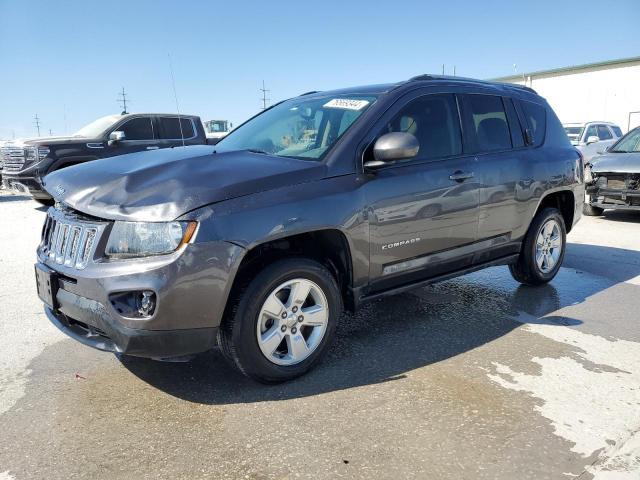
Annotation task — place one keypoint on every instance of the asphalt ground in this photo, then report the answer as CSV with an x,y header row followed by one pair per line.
x,y
473,378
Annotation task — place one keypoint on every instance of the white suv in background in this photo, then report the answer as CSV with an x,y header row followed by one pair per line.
x,y
592,138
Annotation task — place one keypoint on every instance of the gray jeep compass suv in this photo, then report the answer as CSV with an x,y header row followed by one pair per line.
x,y
319,203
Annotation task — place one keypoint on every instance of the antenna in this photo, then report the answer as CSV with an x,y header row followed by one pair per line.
x,y
36,122
443,69
123,101
264,96
175,95
454,70
50,134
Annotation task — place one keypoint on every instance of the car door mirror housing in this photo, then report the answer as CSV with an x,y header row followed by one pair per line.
x,y
117,136
393,146
592,139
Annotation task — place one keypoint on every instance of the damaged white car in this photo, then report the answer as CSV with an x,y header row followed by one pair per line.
x,y
613,178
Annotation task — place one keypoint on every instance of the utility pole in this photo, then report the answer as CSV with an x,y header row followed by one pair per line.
x,y
443,69
264,96
454,70
36,122
50,134
123,101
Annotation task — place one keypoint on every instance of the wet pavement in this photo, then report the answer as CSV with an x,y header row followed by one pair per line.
x,y
473,378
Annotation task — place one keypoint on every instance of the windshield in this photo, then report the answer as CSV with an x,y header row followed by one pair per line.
x,y
629,143
300,128
573,132
95,128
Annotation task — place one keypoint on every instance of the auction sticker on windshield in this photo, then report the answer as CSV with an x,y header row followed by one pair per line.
x,y
346,104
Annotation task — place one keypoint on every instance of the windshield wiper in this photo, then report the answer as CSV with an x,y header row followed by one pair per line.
x,y
257,150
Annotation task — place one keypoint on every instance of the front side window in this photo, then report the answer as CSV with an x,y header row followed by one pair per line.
x,y
433,120
604,133
592,131
629,143
487,123
616,130
304,128
137,129
170,129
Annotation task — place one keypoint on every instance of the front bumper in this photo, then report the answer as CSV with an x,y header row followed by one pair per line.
x,y
191,288
607,198
25,185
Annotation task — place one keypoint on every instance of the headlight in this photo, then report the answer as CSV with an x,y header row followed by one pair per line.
x,y
35,154
588,176
141,239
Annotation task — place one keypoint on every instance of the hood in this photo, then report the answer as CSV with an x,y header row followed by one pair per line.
x,y
55,140
161,185
616,163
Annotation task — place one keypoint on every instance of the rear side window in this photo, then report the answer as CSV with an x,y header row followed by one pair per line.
x,y
616,130
170,128
604,133
536,116
138,129
434,121
486,121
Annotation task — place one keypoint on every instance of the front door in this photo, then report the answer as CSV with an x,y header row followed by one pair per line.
x,y
423,211
139,136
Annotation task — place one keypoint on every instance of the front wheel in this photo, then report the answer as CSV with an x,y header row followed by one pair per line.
x,y
282,322
543,249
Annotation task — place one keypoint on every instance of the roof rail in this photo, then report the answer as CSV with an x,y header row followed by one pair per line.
x,y
309,93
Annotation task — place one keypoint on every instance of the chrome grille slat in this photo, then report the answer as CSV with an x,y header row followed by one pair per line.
x,y
68,239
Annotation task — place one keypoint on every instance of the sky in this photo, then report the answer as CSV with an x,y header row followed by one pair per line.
x,y
66,61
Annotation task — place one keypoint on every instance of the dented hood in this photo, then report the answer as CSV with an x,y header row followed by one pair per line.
x,y
616,163
161,185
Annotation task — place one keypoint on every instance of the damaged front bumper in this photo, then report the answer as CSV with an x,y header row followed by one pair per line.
x,y
614,191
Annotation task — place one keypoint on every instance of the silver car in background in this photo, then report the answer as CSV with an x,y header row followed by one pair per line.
x,y
592,138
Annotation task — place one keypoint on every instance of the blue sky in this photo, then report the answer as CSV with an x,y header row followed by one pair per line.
x,y
70,58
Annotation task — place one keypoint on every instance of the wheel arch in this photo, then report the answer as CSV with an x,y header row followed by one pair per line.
x,y
564,201
329,247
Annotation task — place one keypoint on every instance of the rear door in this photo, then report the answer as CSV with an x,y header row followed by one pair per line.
x,y
174,131
507,181
423,211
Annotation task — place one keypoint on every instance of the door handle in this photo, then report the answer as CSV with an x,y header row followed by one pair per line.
x,y
460,176
153,148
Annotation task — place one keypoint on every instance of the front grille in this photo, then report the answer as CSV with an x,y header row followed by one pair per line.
x,y
69,239
13,158
629,181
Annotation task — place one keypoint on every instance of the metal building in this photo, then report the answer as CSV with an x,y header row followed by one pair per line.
x,y
604,91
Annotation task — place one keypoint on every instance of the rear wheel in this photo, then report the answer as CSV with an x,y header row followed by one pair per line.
x,y
543,249
282,322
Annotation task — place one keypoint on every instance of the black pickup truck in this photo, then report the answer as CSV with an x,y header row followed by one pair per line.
x,y
26,163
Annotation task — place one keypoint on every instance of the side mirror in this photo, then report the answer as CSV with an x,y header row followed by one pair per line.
x,y
592,139
393,146
117,136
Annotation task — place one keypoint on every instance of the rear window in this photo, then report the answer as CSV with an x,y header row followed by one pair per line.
x,y
536,116
486,122
170,128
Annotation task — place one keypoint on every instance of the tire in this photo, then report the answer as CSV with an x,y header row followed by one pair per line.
x,y
591,211
527,269
246,321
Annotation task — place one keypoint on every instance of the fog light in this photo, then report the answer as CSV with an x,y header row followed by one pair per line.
x,y
146,303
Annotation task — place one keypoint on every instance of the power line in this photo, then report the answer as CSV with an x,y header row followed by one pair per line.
x,y
122,100
264,96
36,122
